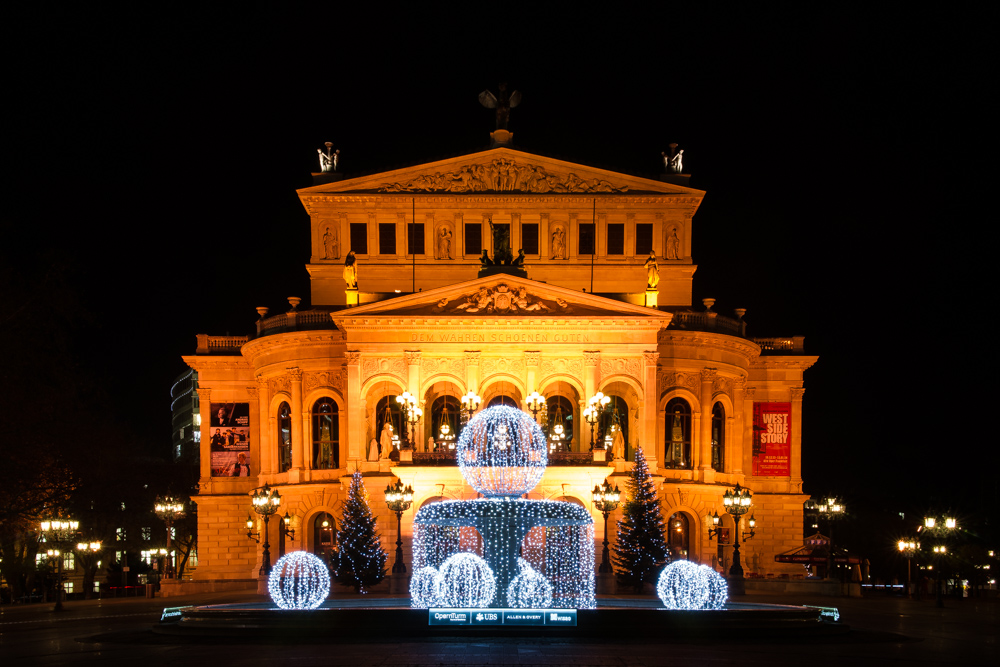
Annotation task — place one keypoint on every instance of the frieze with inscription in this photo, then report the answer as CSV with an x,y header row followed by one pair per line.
x,y
499,337
501,175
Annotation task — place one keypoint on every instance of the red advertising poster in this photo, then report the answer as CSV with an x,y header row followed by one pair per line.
x,y
772,439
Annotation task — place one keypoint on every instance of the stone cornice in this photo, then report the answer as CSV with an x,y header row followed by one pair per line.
x,y
402,199
701,338
801,362
291,338
205,362
488,322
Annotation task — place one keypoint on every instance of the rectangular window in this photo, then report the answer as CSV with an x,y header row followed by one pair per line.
x,y
359,238
415,238
147,534
586,238
387,238
643,239
68,587
69,561
473,238
97,587
616,239
120,533
529,239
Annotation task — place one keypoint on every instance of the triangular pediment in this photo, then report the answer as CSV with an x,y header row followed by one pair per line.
x,y
501,170
502,296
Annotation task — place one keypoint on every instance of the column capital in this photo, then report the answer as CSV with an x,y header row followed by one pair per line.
x,y
749,392
205,394
532,358
412,357
472,357
253,392
591,357
295,373
709,374
353,357
651,357
797,393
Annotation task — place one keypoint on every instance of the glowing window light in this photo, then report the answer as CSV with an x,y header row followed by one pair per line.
x,y
299,580
465,580
685,585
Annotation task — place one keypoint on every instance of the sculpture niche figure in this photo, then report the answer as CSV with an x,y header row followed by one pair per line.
x,y
559,244
329,244
444,243
351,271
673,245
652,272
503,103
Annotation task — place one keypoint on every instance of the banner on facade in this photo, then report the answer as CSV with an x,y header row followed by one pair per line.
x,y
772,439
229,434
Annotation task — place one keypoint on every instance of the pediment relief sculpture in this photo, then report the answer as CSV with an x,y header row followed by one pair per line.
x,y
501,300
502,175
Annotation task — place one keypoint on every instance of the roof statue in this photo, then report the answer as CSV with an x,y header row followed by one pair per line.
x,y
328,160
351,271
673,163
502,103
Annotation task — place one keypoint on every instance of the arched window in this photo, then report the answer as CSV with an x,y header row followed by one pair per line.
x,y
284,438
324,536
560,412
445,417
387,411
718,437
678,437
616,416
679,535
502,400
326,435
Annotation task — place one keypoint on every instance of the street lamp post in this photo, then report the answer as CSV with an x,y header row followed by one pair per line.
x,y
606,501
265,503
737,502
595,410
535,403
831,509
399,500
58,532
470,403
908,548
412,413
87,551
169,509
940,528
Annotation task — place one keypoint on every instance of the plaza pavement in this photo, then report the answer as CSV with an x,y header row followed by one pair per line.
x,y
884,631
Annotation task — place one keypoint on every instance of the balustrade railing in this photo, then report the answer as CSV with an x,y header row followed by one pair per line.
x,y
708,321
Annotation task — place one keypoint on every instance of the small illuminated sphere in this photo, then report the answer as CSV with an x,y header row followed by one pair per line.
x,y
299,580
529,589
465,580
685,585
502,452
423,592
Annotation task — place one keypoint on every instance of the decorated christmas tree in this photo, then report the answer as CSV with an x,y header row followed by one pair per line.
x,y
361,560
640,548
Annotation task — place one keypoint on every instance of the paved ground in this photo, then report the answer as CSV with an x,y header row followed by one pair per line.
x,y
884,631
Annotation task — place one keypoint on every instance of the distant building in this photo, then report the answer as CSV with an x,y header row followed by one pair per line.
x,y
186,417
305,399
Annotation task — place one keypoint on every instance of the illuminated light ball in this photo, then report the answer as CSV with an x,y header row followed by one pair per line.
x,y
529,589
465,580
683,585
423,593
299,580
718,589
502,452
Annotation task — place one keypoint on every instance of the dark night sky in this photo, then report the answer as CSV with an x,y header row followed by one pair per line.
x,y
161,151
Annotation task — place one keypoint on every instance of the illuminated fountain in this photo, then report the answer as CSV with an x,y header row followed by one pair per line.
x,y
535,553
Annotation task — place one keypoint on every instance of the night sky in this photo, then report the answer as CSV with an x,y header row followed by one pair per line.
x,y
157,154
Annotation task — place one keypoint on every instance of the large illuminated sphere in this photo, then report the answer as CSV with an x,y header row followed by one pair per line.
x,y
502,452
299,580
529,589
423,588
465,580
685,585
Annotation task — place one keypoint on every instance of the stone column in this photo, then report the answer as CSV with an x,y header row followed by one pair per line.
x,y
298,446
472,370
256,443
649,412
591,380
531,362
708,376
356,408
748,396
795,451
735,443
266,427
413,372
205,451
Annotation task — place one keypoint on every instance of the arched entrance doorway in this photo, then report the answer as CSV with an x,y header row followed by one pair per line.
x,y
324,536
679,536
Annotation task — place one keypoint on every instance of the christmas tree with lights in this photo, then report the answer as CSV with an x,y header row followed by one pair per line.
x,y
361,560
641,547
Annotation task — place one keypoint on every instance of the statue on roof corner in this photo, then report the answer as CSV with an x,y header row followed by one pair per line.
x,y
673,163
502,103
652,272
351,271
328,160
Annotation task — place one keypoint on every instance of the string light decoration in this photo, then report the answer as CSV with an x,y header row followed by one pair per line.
x,y
502,454
686,585
361,559
423,588
529,589
299,580
465,580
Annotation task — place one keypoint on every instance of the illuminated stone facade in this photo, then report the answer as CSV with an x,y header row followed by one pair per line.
x,y
684,380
